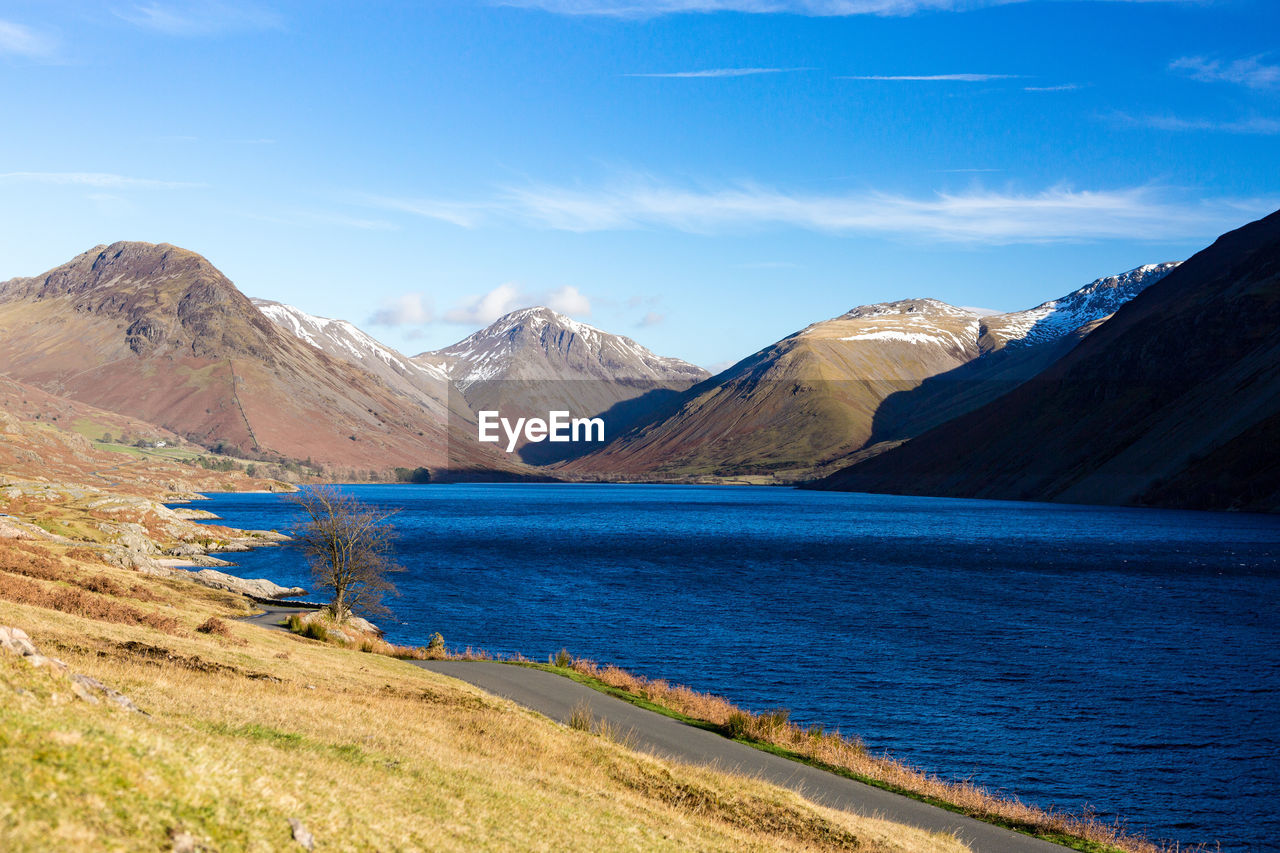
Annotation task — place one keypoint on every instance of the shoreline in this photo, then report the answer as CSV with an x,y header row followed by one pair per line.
x,y
906,781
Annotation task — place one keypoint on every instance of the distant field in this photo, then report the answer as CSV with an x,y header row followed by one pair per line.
x,y
179,454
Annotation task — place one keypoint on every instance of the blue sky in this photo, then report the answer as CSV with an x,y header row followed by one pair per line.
x,y
706,176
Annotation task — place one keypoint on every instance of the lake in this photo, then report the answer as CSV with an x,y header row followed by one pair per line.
x,y
1123,658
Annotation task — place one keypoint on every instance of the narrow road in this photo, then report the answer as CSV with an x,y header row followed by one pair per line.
x,y
556,697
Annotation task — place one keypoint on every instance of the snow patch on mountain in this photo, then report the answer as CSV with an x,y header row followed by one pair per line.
x,y
341,339
566,347
1057,318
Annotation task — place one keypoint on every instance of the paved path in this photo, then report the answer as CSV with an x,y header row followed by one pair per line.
x,y
274,616
556,697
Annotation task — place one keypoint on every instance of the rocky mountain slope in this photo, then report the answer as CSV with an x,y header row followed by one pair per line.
x,y
806,399
1174,401
427,383
1013,348
857,384
536,360
157,333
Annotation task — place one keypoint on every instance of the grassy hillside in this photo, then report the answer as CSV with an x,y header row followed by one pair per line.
x,y
244,729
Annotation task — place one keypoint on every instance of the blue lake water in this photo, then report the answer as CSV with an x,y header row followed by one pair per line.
x,y
1126,659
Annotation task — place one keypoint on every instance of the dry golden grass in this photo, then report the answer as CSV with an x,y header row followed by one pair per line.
x,y
848,753
71,594
35,562
368,752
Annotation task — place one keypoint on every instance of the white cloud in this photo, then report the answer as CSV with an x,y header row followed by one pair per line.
x,y
811,8
935,78
1052,215
307,218
101,180
653,318
569,300
720,72
1249,126
465,215
204,18
483,310
1065,87
23,41
1244,72
411,309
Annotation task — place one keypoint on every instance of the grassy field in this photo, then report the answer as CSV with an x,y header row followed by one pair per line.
x,y
245,729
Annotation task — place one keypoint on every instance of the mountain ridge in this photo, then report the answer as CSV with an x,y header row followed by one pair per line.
x,y
872,376
131,316
1174,401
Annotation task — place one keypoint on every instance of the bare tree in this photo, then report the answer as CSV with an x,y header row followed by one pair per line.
x,y
349,549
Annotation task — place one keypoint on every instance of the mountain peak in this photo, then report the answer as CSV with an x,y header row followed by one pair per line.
x,y
539,343
1060,317
117,267
345,341
925,307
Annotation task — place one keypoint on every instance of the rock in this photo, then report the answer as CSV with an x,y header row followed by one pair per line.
x,y
114,696
16,641
184,842
302,835
82,692
349,627
260,587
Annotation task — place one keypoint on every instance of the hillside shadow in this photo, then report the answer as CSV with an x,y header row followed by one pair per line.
x,y
619,419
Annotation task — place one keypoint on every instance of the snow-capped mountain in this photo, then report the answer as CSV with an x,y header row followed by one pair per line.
x,y
911,321
1057,318
342,340
535,361
424,382
542,344
869,378
1173,402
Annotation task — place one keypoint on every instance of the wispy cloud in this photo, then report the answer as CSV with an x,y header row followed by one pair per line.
x,y
205,18
719,72
484,309
320,217
415,309
464,214
411,309
978,216
1248,126
568,300
1065,87
812,8
933,78
653,318
101,180
1244,72
20,40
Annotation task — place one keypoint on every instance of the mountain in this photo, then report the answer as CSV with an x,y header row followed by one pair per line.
x,y
1174,401
426,383
806,399
856,385
1059,318
1013,348
158,333
536,360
